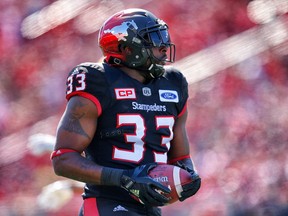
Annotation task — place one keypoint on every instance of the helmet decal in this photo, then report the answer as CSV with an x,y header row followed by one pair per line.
x,y
121,31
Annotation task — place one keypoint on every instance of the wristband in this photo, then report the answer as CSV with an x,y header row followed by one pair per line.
x,y
111,176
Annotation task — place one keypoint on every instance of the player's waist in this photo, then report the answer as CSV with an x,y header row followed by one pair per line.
x,y
108,192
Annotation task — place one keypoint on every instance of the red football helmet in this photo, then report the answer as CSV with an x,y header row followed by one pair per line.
x,y
140,31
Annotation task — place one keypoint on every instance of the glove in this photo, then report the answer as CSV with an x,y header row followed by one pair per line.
x,y
137,182
140,185
189,189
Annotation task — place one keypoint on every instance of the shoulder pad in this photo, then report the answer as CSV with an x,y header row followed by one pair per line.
x,y
87,67
173,73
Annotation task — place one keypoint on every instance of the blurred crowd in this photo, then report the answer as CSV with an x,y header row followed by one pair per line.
x,y
238,118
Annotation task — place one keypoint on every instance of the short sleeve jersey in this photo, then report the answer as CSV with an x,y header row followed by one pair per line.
x,y
135,124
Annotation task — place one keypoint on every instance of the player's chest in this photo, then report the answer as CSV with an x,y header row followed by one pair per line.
x,y
145,99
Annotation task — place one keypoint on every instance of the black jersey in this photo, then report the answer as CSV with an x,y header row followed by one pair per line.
x,y
135,120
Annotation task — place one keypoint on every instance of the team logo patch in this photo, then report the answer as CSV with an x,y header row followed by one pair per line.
x,y
168,96
146,91
125,93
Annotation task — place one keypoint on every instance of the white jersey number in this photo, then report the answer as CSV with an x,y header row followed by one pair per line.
x,y
135,139
80,85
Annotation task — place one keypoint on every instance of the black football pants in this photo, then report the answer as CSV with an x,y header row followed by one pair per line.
x,y
108,207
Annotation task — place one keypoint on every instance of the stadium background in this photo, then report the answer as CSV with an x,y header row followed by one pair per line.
x,y
235,56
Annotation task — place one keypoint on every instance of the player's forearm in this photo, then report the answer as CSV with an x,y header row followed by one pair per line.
x,y
76,167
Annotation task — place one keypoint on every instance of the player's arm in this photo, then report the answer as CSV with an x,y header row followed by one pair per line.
x,y
179,155
74,133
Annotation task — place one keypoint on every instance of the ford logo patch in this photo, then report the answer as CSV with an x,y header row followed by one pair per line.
x,y
168,95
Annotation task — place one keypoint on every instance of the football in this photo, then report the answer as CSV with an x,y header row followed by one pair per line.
x,y
172,177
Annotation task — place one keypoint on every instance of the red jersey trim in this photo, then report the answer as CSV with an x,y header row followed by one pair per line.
x,y
90,207
183,110
59,152
88,96
174,160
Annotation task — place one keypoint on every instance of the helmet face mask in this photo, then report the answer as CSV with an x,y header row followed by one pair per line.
x,y
140,31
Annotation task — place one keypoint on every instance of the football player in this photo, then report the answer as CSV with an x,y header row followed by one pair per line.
x,y
123,117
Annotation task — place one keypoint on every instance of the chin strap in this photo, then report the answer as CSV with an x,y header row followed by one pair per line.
x,y
152,72
156,70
